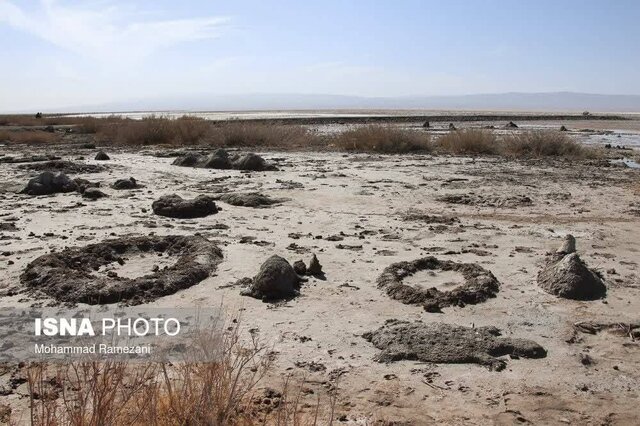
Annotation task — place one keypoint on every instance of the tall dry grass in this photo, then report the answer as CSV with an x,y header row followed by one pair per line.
x,y
545,144
469,141
217,393
264,135
382,139
28,137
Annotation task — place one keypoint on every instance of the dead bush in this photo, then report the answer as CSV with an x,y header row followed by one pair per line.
x,y
382,139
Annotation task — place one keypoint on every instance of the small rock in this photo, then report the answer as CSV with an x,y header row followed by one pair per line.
x,y
102,156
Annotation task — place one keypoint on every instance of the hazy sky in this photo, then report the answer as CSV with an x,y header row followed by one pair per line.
x,y
57,53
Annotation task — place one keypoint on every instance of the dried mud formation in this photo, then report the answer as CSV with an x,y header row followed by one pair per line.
x,y
102,156
72,275
63,166
447,343
177,207
565,275
480,284
221,159
50,183
487,201
130,183
276,280
250,199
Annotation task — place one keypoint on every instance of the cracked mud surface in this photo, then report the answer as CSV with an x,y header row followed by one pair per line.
x,y
350,209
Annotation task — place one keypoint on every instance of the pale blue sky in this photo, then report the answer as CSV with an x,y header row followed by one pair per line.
x,y
61,53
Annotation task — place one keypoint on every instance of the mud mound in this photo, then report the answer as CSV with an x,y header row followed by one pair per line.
x,y
218,160
189,159
175,206
447,343
221,159
479,285
69,275
275,280
49,183
251,162
250,199
64,166
565,275
487,201
102,156
130,183
315,268
93,193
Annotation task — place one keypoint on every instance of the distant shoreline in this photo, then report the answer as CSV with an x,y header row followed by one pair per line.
x,y
368,117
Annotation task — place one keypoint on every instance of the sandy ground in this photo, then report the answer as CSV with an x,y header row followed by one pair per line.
x,y
361,200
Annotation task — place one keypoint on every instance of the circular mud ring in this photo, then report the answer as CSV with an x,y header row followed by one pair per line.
x,y
69,275
479,284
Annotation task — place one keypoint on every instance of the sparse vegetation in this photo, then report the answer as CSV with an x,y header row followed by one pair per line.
x,y
238,133
224,392
28,137
469,141
382,139
545,144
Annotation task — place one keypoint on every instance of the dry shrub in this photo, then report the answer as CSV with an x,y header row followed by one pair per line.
x,y
221,392
29,137
147,131
248,134
545,144
469,141
383,139
20,120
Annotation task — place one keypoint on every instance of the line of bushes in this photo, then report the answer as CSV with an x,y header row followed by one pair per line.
x,y
387,139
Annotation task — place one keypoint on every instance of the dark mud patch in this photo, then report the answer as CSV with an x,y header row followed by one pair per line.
x,y
566,275
71,275
487,200
276,280
30,159
479,284
250,199
449,344
177,207
64,166
417,216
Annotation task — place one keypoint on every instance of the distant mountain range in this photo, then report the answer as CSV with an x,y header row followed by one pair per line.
x,y
556,101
